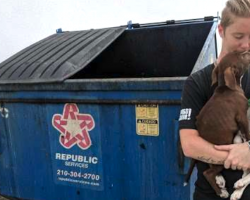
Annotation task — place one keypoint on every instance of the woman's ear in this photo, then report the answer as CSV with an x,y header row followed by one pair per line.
x,y
221,30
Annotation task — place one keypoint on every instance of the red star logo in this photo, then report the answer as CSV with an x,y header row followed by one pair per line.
x,y
74,127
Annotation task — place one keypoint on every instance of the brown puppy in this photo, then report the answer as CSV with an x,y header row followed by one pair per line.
x,y
226,111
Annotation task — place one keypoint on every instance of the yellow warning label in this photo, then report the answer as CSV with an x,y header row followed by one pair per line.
x,y
147,119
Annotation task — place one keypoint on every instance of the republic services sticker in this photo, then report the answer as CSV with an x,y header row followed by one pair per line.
x,y
75,143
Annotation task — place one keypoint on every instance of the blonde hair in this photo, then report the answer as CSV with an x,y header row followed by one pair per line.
x,y
234,8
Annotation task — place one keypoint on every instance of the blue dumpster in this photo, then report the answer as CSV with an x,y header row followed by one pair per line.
x,y
94,114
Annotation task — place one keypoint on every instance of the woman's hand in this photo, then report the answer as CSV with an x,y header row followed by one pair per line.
x,y
238,157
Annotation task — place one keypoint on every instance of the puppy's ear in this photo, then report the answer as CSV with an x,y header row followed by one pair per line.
x,y
215,75
229,77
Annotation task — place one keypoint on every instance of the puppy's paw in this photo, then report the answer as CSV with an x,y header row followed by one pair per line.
x,y
237,194
239,184
220,181
224,194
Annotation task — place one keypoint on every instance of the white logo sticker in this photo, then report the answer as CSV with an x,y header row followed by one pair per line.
x,y
185,114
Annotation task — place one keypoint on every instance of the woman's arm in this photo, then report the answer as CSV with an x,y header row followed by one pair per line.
x,y
196,147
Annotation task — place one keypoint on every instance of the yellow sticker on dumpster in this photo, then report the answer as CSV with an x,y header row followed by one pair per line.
x,y
147,119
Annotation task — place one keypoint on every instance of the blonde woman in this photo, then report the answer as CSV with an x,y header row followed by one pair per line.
x,y
234,29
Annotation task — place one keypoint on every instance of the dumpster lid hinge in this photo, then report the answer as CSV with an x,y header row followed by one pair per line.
x,y
59,30
170,22
130,25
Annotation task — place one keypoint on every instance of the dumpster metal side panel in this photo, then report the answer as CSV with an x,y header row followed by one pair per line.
x,y
134,167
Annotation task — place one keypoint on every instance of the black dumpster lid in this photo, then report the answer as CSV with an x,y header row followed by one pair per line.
x,y
57,57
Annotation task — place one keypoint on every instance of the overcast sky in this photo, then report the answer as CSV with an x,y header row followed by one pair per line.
x,y
25,22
